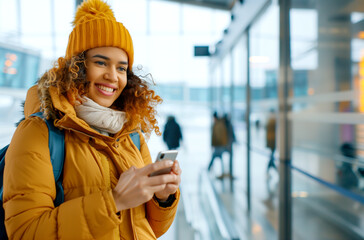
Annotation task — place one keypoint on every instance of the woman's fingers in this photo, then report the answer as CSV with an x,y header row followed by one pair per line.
x,y
162,179
176,168
153,167
157,188
169,189
172,186
136,186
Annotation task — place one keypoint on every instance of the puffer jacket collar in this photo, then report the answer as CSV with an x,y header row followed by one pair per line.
x,y
70,121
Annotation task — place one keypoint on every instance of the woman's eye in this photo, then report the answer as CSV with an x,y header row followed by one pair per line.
x,y
101,63
121,69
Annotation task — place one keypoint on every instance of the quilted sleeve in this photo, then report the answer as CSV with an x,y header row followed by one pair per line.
x,y
160,218
29,191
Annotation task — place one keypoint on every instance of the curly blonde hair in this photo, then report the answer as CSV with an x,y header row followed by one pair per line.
x,y
137,100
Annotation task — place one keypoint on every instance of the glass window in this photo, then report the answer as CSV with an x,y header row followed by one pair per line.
x,y
263,63
133,14
327,104
165,17
226,82
194,69
166,60
35,20
216,88
19,69
64,13
210,21
8,20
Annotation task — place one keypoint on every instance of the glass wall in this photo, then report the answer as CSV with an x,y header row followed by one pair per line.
x,y
238,86
327,56
263,59
239,79
326,134
19,68
263,71
226,84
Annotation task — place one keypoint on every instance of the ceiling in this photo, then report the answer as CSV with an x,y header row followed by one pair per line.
x,y
217,4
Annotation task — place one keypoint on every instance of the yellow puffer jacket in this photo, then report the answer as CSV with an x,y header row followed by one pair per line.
x,y
93,164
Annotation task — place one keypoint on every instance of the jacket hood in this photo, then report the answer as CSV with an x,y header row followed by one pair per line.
x,y
32,103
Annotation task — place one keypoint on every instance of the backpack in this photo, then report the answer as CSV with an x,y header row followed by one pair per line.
x,y
219,134
56,149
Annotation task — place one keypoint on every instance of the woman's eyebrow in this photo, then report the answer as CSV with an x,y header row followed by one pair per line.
x,y
100,56
106,58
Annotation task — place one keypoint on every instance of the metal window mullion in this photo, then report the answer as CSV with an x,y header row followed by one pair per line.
x,y
247,120
285,180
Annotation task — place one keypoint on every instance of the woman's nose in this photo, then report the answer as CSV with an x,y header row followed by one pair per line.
x,y
111,75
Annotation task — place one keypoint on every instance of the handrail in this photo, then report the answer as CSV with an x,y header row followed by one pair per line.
x,y
342,191
188,211
224,222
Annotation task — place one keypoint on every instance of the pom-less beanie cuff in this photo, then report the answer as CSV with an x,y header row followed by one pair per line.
x,y
100,32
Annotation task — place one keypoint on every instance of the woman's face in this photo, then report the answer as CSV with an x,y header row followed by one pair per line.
x,y
106,71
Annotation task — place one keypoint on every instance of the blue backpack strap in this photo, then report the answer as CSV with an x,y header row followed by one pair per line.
x,y
2,166
56,149
3,234
57,152
136,139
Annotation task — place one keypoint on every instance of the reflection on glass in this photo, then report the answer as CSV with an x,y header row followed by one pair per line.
x,y
327,53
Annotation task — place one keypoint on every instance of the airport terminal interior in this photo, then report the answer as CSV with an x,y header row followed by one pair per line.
x,y
289,77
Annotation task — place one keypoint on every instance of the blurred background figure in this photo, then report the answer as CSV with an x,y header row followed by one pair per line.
x,y
271,138
172,134
219,140
231,139
346,176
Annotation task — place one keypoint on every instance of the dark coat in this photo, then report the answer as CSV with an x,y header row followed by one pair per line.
x,y
172,134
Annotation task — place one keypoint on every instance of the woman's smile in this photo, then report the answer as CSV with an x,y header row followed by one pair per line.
x,y
103,89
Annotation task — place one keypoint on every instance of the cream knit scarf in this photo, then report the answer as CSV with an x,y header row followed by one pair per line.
x,y
103,119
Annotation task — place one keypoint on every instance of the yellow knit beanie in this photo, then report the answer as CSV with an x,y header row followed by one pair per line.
x,y
95,26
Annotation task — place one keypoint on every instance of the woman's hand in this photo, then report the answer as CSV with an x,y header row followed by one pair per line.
x,y
136,187
170,187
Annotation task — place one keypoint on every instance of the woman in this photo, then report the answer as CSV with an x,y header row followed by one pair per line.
x,y
94,97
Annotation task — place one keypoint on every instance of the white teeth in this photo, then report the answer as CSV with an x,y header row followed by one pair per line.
x,y
107,89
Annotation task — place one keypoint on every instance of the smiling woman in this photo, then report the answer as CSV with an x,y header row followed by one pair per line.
x,y
106,74
97,101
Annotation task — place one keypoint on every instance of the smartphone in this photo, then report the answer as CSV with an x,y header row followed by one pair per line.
x,y
165,155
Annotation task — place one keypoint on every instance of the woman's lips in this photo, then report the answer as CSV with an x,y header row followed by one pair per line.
x,y
107,91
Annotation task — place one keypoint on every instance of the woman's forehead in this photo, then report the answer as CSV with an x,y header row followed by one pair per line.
x,y
110,52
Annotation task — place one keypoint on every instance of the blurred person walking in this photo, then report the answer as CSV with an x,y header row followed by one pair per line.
x,y
219,140
271,138
231,139
172,134
94,97
346,176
